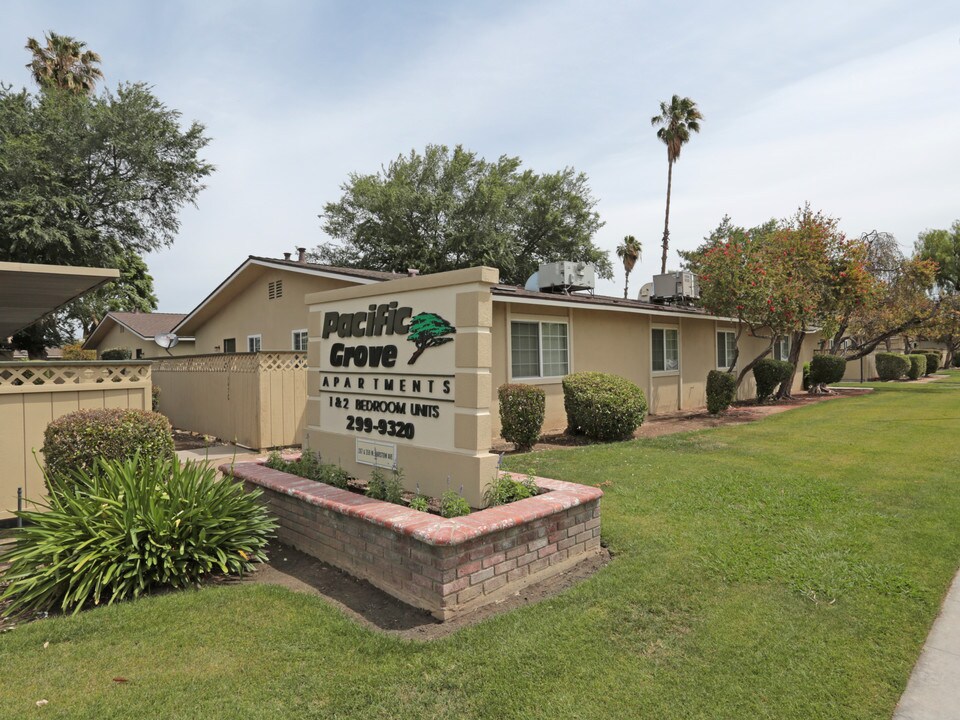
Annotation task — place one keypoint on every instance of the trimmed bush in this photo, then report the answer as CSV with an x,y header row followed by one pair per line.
x,y
116,354
154,398
892,366
721,391
770,374
827,369
933,361
76,352
79,439
522,409
603,406
131,527
918,365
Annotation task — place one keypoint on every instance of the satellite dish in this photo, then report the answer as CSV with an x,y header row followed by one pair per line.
x,y
166,340
533,283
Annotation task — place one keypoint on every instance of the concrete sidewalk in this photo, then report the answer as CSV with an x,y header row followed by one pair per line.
x,y
219,454
933,692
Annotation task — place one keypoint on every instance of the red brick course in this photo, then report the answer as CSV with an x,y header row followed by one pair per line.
x,y
446,566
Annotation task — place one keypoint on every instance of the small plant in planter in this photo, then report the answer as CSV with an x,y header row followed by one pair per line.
x,y
453,504
309,465
504,489
420,502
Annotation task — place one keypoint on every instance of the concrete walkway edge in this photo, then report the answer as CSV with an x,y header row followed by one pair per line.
x,y
933,691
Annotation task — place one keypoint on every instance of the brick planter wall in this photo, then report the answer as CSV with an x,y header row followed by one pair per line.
x,y
445,566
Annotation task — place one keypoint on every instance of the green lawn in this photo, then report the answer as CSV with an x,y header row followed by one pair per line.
x,y
785,569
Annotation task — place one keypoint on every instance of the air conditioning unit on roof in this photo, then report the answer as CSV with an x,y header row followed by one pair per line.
x,y
676,287
566,277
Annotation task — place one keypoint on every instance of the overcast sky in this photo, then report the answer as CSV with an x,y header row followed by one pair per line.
x,y
852,106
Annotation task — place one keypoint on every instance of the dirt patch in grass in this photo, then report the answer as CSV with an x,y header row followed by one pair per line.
x,y
377,610
666,424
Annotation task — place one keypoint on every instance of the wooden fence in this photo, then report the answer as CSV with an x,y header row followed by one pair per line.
x,y
34,393
257,400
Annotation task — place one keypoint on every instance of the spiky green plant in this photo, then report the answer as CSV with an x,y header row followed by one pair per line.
x,y
128,527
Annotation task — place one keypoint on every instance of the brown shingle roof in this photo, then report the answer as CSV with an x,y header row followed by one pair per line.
x,y
602,300
349,272
148,324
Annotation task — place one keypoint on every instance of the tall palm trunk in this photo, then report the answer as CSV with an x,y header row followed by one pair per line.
x,y
666,219
626,283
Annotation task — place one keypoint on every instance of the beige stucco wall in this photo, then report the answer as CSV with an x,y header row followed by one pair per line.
x,y
619,343
119,337
251,312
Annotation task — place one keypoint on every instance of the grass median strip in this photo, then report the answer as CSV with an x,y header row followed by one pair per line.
x,y
788,568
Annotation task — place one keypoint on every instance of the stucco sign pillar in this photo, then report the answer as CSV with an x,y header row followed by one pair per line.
x,y
399,375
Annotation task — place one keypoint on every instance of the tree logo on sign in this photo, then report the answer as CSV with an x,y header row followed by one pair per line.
x,y
428,330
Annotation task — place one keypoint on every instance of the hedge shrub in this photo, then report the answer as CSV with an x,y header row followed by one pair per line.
x,y
918,366
933,361
603,406
721,391
522,409
892,366
116,354
77,440
76,352
769,374
131,527
827,369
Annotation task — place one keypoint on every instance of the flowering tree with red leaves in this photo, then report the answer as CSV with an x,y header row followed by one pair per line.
x,y
785,278
900,300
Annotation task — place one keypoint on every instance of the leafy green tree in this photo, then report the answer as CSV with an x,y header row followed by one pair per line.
x,y
676,121
131,292
91,180
629,252
428,330
63,63
444,210
943,247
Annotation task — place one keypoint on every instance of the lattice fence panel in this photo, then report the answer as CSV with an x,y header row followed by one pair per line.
x,y
281,361
40,374
270,361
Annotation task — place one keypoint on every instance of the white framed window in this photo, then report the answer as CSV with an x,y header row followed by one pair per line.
x,y
539,349
253,343
726,348
781,348
300,340
665,347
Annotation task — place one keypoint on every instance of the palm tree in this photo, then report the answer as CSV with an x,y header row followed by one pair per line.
x,y
676,121
63,63
628,251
